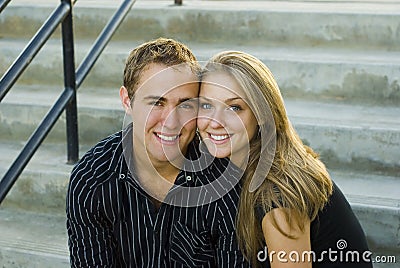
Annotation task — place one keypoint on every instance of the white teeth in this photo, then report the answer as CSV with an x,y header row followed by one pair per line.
x,y
167,138
219,137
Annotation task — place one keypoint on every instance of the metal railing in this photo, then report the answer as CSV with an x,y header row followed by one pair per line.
x,y
72,80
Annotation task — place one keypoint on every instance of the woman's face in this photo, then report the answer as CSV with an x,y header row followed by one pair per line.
x,y
225,121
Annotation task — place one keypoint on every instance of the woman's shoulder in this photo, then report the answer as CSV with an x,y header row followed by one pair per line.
x,y
337,222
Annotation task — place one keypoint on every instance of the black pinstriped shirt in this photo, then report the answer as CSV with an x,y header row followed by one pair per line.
x,y
112,222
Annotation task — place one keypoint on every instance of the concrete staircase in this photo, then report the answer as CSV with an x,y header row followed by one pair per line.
x,y
337,64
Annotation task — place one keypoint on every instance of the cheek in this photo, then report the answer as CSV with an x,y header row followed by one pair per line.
x,y
251,127
236,123
244,126
148,119
191,125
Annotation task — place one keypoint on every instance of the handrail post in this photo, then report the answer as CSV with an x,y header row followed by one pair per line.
x,y
70,82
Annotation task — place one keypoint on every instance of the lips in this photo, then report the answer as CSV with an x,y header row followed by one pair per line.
x,y
219,138
167,138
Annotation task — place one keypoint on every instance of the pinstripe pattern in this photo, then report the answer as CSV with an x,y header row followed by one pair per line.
x,y
111,221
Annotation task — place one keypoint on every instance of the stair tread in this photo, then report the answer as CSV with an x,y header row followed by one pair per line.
x,y
322,113
203,51
50,158
336,7
368,189
45,236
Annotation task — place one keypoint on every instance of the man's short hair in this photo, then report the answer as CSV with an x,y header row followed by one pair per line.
x,y
163,51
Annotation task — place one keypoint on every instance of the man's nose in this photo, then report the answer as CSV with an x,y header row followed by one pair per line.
x,y
171,118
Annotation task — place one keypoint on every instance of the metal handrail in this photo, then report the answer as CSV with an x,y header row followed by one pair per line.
x,y
101,41
72,80
33,47
3,4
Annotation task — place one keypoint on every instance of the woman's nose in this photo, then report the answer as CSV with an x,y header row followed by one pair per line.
x,y
217,119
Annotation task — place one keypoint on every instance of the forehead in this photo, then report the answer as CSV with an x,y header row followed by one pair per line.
x,y
161,80
220,85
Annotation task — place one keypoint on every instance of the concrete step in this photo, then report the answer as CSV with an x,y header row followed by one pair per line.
x,y
361,24
376,201
32,240
361,137
42,186
360,76
25,106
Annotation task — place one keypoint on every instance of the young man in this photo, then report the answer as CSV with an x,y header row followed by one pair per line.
x,y
133,199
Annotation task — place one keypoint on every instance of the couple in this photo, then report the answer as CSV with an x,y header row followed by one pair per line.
x,y
207,174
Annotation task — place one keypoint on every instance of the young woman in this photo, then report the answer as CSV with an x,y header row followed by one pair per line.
x,y
290,214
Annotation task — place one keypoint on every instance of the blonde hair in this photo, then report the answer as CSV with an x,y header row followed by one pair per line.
x,y
292,176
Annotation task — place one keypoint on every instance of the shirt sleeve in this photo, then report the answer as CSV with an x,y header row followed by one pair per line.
x,y
89,237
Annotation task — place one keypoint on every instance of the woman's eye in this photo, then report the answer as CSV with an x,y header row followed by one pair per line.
x,y
186,106
235,108
205,106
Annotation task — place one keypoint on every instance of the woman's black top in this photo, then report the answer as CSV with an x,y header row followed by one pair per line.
x,y
337,239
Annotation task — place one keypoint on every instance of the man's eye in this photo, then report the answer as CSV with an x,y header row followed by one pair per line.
x,y
156,103
206,106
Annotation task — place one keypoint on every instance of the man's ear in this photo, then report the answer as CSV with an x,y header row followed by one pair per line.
x,y
125,100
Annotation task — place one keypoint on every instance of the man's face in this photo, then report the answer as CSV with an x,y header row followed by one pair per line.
x,y
164,111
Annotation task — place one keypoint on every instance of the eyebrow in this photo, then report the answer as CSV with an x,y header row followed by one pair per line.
x,y
188,99
232,99
158,98
162,99
227,100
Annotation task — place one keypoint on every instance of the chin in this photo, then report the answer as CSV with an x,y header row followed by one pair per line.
x,y
221,154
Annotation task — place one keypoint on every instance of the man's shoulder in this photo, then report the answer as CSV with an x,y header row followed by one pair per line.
x,y
95,170
107,145
100,158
